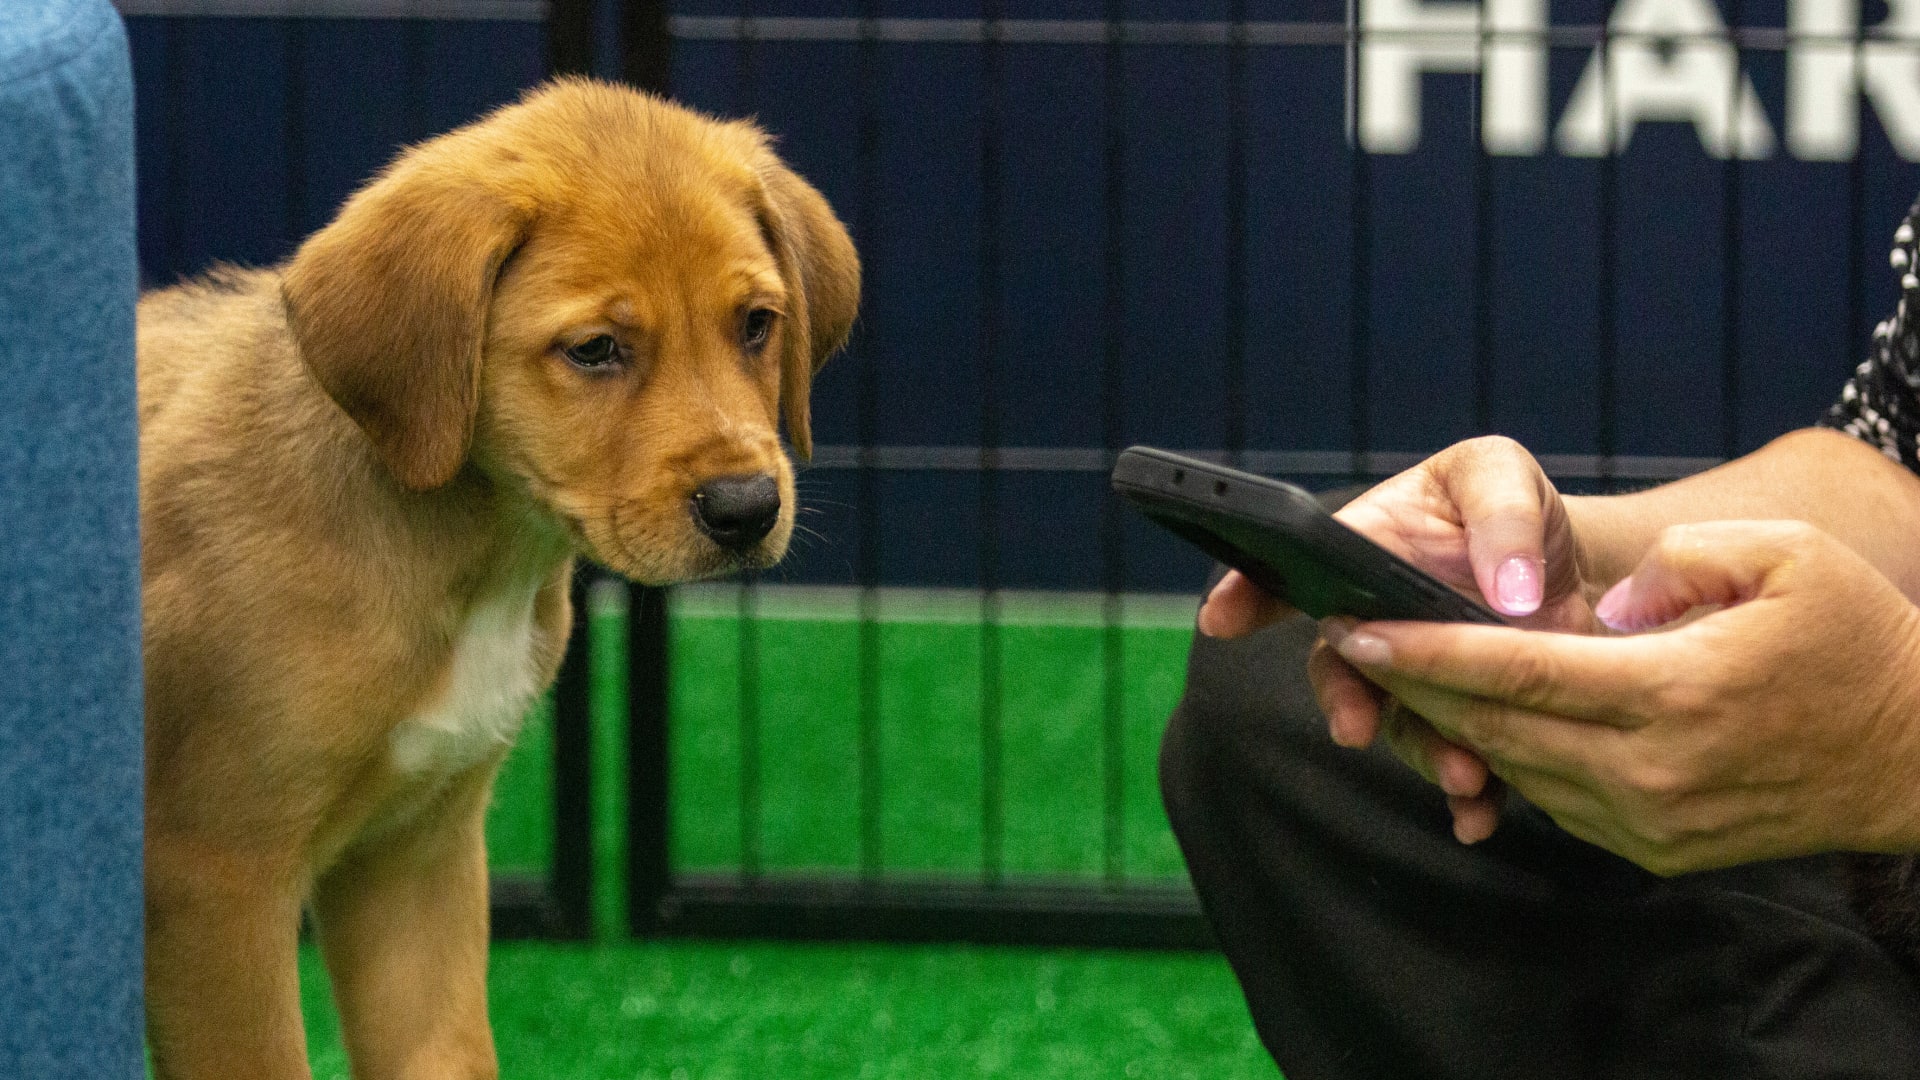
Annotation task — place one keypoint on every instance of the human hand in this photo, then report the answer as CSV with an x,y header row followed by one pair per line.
x,y
1480,516
1784,723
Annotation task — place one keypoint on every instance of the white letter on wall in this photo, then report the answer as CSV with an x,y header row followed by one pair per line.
x,y
1823,80
1403,39
1628,81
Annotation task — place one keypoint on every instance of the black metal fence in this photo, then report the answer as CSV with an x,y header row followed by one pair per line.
x,y
1317,238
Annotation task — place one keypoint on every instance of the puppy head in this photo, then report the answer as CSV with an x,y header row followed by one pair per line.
x,y
599,298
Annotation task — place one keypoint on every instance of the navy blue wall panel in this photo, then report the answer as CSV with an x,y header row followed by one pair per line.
x,y
1052,242
1544,303
923,305
252,131
1657,303
1174,242
1301,249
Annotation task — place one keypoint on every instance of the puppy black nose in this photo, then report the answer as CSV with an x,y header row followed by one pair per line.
x,y
737,511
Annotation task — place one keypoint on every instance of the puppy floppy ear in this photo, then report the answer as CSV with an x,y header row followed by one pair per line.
x,y
822,274
388,305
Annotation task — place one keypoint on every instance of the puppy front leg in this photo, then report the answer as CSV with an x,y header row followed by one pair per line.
x,y
403,927
223,991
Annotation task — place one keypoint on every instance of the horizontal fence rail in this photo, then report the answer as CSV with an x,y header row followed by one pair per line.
x,y
1218,33
449,10
1066,459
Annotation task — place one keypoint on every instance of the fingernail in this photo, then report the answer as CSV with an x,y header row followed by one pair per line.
x,y
1342,730
1211,593
1610,609
1472,822
1200,618
1201,621
1363,649
1517,585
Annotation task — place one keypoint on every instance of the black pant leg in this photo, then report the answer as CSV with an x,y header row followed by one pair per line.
x,y
1372,945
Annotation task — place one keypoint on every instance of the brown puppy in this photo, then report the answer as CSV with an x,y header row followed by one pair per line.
x,y
570,327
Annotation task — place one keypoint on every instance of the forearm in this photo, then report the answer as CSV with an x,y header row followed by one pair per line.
x,y
1829,480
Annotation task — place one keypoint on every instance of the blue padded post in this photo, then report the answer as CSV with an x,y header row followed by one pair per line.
x,y
70,742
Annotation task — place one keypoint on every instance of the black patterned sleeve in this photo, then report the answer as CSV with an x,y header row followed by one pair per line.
x,y
1880,405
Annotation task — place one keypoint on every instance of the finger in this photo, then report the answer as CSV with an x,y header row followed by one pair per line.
x,y
1412,518
1689,566
1507,738
1405,739
1452,768
1501,496
1460,772
1575,804
1568,675
1237,606
1350,703
1474,818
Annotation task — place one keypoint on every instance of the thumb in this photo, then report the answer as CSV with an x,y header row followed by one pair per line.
x,y
1714,563
1502,498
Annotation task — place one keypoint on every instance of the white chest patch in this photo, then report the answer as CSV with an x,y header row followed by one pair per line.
x,y
492,683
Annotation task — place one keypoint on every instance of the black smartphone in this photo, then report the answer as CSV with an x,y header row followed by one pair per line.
x,y
1285,541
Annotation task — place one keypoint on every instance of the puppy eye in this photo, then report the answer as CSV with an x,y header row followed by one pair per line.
x,y
596,352
756,328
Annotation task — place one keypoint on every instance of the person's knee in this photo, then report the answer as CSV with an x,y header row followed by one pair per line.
x,y
1180,768
1246,705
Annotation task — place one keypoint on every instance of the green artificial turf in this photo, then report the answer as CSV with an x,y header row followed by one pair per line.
x,y
701,1011
927,707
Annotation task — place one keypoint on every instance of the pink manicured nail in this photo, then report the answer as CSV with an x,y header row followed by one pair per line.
x,y
1364,649
1609,609
1517,586
1342,729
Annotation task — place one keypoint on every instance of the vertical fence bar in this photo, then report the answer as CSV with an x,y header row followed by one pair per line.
x,y
746,81
1113,430
992,794
174,214
867,407
1851,343
747,599
646,45
294,114
1606,344
646,62
572,872
1730,292
416,47
1483,267
570,882
747,701
1234,386
569,37
1360,424
649,776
